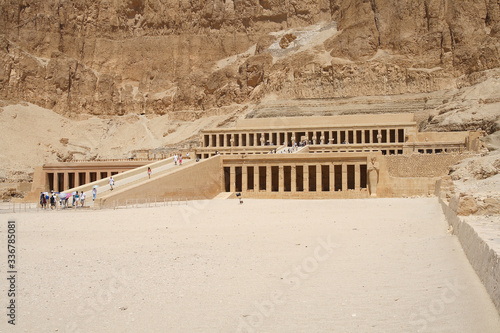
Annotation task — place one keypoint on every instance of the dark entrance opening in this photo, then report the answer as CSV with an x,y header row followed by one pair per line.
x,y
300,137
262,178
367,136
375,136
244,139
238,179
312,178
287,178
327,137
250,179
299,178
50,180
251,139
227,179
350,177
60,177
363,175
338,177
342,137
282,139
325,178
358,137
335,139
221,140
275,178
350,139
71,180
401,135
384,136
82,178
392,135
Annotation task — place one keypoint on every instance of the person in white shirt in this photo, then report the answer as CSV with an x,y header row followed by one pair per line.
x,y
82,198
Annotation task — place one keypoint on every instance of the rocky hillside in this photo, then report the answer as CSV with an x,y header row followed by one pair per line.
x,y
163,56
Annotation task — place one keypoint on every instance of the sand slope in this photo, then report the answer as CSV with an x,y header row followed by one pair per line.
x,y
385,265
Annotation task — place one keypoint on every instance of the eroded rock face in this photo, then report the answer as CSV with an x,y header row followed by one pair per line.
x,y
136,56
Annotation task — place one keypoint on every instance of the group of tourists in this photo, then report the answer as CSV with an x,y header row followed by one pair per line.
x,y
178,158
54,198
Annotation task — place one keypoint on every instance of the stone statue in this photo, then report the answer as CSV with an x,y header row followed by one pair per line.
x,y
373,168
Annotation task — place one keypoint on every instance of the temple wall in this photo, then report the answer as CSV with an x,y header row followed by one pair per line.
x,y
418,165
483,257
412,175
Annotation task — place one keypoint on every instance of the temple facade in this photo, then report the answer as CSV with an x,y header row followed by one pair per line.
x,y
390,134
297,157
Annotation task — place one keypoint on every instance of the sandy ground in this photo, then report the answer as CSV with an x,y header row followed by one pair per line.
x,y
385,265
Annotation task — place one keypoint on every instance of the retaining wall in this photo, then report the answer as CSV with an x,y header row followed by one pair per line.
x,y
484,259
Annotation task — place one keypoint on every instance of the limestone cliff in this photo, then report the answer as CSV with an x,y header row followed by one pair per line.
x,y
162,56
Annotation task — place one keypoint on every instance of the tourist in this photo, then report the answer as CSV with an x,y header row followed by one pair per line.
x,y
187,156
111,182
82,198
180,159
94,193
175,159
197,158
77,199
149,172
41,199
53,201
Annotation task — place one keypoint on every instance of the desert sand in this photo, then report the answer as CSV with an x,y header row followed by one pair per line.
x,y
383,265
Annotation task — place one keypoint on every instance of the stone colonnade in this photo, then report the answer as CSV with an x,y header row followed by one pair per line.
x,y
62,181
296,177
288,138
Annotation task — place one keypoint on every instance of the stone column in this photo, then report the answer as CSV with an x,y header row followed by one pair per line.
x,y
244,178
87,177
319,181
363,139
232,179
262,139
66,181
293,179
306,178
357,177
256,178
281,177
255,142
56,182
354,136
314,139
77,178
268,178
344,177
332,177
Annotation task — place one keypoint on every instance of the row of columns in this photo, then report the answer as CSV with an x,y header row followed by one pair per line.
x,y
325,137
55,185
293,177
